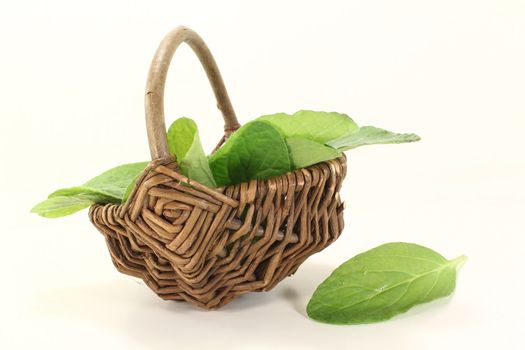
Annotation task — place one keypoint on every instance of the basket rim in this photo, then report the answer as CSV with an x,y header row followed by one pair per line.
x,y
218,191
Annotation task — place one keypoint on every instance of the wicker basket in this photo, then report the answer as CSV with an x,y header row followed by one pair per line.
x,y
206,245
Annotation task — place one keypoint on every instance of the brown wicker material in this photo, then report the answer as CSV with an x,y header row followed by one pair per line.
x,y
208,246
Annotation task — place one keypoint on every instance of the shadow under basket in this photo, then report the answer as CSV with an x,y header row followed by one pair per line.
x,y
206,245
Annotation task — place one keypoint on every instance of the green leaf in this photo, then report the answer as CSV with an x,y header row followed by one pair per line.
x,y
315,126
109,187
79,190
269,146
256,151
304,152
115,181
369,135
130,188
383,282
184,143
59,206
68,192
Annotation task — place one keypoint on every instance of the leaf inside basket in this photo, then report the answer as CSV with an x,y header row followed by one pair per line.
x,y
304,152
369,135
255,151
115,181
108,187
311,125
269,146
59,206
184,143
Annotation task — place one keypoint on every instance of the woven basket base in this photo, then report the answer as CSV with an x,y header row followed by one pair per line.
x,y
208,246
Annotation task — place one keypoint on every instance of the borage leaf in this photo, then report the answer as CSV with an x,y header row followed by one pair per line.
x,y
58,206
311,125
304,152
130,188
369,135
184,143
109,187
256,151
383,282
115,181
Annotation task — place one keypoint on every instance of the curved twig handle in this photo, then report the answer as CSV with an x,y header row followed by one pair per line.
x,y
154,99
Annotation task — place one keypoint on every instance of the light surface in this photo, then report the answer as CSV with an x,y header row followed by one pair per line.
x,y
72,78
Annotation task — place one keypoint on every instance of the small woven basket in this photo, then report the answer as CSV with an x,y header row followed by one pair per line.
x,y
206,245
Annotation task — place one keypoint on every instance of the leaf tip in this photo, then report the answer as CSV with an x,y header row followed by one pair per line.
x,y
311,312
459,261
36,209
33,210
414,137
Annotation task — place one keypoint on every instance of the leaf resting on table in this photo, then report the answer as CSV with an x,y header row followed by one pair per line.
x,y
383,282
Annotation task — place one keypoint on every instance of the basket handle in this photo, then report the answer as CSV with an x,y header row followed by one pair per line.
x,y
154,99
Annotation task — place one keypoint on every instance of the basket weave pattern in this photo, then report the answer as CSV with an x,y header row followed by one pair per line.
x,y
207,246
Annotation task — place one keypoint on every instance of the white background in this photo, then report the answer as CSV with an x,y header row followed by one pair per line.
x,y
72,78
